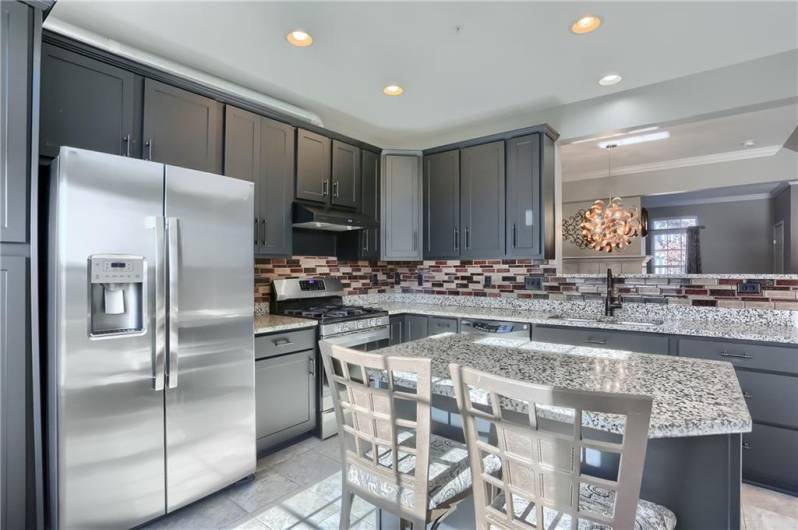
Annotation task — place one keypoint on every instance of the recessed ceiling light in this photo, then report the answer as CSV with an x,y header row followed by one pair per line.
x,y
749,143
299,38
393,90
631,140
586,24
610,79
615,135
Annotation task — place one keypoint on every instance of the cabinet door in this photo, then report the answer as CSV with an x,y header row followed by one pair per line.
x,y
370,204
482,201
416,327
400,217
524,220
182,128
770,457
88,104
14,120
345,175
312,166
274,187
284,393
442,205
395,330
242,156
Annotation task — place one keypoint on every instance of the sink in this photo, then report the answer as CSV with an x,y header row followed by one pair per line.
x,y
609,320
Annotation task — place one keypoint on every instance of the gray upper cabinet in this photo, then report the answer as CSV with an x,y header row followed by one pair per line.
x,y
312,166
401,212
261,150
14,120
182,128
442,205
482,201
345,175
370,204
88,104
524,221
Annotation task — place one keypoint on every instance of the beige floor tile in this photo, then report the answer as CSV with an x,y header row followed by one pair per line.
x,y
771,501
761,519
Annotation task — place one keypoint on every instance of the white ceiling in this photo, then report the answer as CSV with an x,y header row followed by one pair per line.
x,y
695,143
760,190
509,57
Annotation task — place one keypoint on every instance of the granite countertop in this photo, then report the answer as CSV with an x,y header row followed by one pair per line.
x,y
726,330
272,323
691,397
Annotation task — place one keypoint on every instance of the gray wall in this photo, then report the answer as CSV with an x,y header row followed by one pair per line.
x,y
737,235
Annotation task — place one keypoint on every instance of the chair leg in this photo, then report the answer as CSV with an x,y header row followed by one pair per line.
x,y
346,508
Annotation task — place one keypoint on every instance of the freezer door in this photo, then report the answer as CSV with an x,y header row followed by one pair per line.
x,y
105,414
210,394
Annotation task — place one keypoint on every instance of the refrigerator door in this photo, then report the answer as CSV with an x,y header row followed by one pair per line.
x,y
105,412
210,394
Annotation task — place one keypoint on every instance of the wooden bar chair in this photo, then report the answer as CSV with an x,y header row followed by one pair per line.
x,y
390,457
554,467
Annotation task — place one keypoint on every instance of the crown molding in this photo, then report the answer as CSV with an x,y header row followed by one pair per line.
x,y
715,158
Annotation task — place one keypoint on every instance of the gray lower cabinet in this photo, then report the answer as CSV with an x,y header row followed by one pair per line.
x,y
345,187
443,325
768,376
88,104
401,212
416,327
285,386
16,32
442,205
482,201
396,329
182,128
312,166
616,340
261,151
530,196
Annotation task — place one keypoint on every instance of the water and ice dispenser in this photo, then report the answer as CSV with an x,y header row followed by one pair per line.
x,y
116,295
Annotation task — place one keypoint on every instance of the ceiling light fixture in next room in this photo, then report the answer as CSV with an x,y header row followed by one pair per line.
x,y
631,140
299,38
393,90
610,79
586,24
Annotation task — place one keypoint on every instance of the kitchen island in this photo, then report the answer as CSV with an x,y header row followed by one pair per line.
x,y
698,413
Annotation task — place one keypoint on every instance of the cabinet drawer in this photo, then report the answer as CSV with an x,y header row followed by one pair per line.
x,y
615,340
281,343
770,457
771,398
743,355
442,325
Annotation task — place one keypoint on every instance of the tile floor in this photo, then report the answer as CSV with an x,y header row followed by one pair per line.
x,y
299,488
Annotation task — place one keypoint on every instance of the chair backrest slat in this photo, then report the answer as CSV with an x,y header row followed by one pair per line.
x,y
544,458
365,396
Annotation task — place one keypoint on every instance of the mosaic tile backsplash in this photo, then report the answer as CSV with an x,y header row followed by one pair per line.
x,y
505,278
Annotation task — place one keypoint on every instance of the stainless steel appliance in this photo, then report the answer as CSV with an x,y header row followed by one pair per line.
x,y
494,327
361,328
150,338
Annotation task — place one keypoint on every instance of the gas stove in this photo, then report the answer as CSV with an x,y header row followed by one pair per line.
x,y
322,299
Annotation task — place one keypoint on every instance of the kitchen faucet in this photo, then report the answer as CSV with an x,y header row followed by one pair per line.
x,y
611,303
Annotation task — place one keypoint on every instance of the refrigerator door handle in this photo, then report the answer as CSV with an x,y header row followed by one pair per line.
x,y
159,334
173,232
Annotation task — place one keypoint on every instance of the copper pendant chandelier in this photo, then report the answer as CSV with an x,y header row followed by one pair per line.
x,y
609,226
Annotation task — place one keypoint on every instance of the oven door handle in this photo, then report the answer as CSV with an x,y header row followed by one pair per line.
x,y
359,337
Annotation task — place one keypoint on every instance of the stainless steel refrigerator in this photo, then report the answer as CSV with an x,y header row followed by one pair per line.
x,y
150,338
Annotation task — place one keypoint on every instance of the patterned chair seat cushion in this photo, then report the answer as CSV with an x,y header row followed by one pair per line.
x,y
649,516
449,472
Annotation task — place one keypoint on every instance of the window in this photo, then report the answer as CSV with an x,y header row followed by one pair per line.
x,y
669,244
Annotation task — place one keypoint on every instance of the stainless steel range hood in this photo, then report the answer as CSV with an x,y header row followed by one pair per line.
x,y
332,220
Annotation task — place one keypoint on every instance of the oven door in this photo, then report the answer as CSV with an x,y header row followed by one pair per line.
x,y
363,340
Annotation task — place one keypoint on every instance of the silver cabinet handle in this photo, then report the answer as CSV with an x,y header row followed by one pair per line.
x,y
159,336
415,240
515,237
148,146
126,141
468,237
746,395
173,233
456,237
282,341
312,366
335,189
256,231
736,355
365,235
747,446
324,186
593,340
263,232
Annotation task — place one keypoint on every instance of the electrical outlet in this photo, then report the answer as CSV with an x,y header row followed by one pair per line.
x,y
488,281
420,279
533,283
397,278
749,287
374,278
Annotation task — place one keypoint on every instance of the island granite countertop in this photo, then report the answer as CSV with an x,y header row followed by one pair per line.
x,y
272,323
691,397
726,329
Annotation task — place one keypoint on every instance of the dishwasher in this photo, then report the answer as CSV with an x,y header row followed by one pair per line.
x,y
508,330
